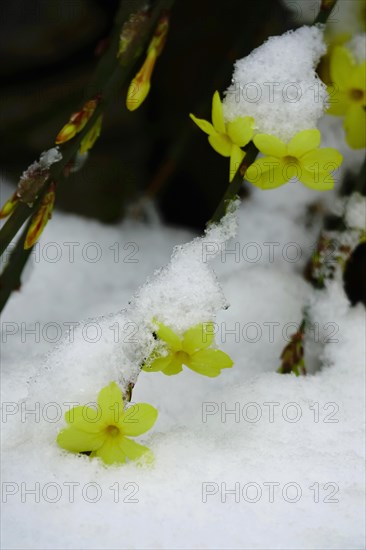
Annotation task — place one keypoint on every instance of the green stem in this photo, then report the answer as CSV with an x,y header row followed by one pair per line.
x,y
326,9
10,277
234,186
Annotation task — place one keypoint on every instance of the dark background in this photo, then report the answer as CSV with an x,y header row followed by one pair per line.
x,y
49,49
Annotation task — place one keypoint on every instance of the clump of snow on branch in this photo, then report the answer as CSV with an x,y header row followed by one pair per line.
x,y
47,158
186,292
278,86
182,294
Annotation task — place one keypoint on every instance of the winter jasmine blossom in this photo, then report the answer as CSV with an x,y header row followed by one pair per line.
x,y
348,95
300,158
227,139
192,349
104,431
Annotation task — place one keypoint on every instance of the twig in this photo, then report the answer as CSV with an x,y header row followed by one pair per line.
x,y
234,186
110,76
326,9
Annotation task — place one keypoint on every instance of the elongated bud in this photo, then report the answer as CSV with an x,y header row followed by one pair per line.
x,y
9,206
91,137
41,217
140,84
77,121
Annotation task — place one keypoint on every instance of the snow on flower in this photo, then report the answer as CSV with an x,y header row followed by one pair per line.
x,y
277,84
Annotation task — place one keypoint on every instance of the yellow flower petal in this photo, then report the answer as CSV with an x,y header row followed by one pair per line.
x,y
240,130
203,125
166,334
209,362
218,114
138,419
341,66
270,145
304,141
132,449
267,173
322,181
289,170
174,367
357,78
355,127
157,363
339,102
236,158
221,143
198,337
110,401
84,418
322,160
111,451
79,441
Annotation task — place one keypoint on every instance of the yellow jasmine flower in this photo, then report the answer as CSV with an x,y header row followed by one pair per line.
x,y
227,139
300,158
191,350
103,431
348,95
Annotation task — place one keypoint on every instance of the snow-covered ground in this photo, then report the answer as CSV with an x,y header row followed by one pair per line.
x,y
251,459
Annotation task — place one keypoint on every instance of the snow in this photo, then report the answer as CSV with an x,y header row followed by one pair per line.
x,y
290,449
278,86
46,159
355,214
357,46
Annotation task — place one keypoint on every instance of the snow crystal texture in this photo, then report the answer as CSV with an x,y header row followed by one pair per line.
x,y
277,84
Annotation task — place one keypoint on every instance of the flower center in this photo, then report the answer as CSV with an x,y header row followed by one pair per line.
x,y
182,356
226,138
291,160
356,94
112,431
